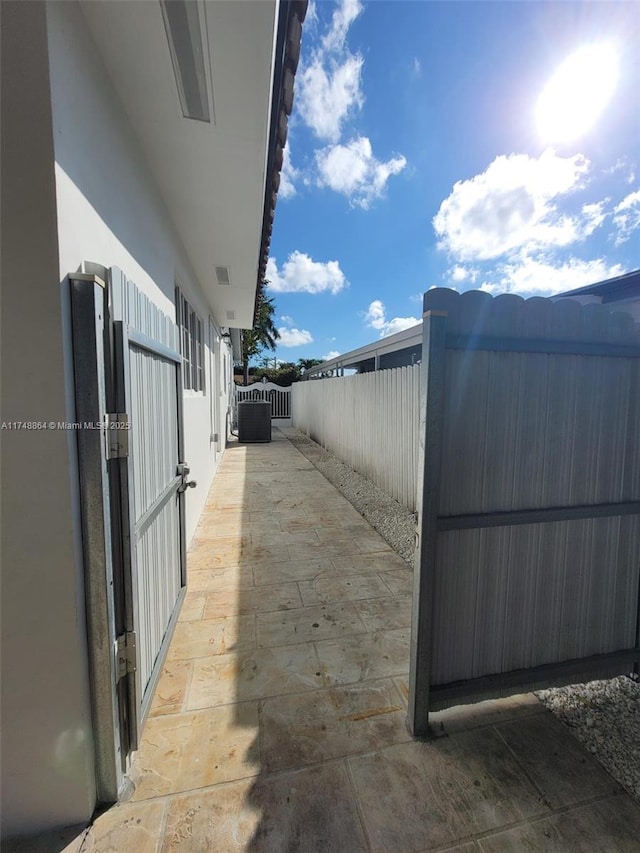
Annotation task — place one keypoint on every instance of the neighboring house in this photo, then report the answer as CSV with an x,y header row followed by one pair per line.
x,y
621,293
141,150
397,350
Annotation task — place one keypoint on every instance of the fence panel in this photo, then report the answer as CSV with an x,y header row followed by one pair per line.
x,y
369,421
278,396
528,567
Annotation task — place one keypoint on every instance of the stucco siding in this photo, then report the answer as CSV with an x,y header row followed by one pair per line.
x,y
47,757
111,213
75,189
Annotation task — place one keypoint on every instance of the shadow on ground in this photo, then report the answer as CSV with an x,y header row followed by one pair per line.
x,y
279,721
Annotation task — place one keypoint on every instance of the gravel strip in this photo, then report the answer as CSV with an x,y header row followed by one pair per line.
x,y
603,715
394,522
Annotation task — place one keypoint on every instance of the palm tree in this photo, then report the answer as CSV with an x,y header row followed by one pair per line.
x,y
307,363
264,333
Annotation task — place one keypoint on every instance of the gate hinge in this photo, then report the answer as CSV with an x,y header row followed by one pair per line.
x,y
117,435
126,654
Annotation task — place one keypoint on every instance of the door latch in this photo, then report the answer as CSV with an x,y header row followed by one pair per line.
x,y
183,471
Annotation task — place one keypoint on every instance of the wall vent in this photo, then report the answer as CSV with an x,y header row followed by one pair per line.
x,y
222,274
231,315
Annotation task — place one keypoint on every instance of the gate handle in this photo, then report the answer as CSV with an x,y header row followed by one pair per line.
x,y
183,471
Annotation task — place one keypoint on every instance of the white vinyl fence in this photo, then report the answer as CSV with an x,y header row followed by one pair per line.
x,y
370,422
527,570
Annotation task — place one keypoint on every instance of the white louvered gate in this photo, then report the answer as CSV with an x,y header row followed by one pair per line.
x,y
153,478
128,379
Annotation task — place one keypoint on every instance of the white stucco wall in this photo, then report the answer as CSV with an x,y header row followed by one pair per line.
x,y
110,212
75,188
47,755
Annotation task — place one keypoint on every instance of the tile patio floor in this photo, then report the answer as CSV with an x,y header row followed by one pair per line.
x,y
279,722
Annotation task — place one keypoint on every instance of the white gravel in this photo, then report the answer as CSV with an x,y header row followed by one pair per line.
x,y
603,715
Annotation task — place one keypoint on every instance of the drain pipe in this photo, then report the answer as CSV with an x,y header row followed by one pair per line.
x,y
230,420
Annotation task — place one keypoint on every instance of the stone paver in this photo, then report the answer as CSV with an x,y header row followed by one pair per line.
x,y
312,809
279,722
424,796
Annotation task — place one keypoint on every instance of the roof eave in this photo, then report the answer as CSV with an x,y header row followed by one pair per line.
x,y
291,16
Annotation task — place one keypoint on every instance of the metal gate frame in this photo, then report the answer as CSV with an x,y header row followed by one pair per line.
x,y
102,339
89,330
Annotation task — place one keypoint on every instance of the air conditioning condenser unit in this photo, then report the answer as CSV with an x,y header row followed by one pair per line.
x,y
254,421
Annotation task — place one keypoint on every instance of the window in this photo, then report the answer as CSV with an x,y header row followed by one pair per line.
x,y
191,344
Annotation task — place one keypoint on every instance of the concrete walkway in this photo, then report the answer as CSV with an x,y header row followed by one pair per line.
x,y
279,722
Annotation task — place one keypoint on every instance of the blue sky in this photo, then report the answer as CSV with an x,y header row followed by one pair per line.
x,y
418,156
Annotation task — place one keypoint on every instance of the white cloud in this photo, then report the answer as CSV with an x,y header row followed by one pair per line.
x,y
510,206
293,337
375,317
288,175
327,92
344,15
329,86
627,217
333,353
352,170
286,319
622,163
312,15
527,276
399,324
593,215
416,67
461,273
301,274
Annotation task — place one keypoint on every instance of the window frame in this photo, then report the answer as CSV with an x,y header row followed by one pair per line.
x,y
191,337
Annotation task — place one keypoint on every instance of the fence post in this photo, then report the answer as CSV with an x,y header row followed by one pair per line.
x,y
434,324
